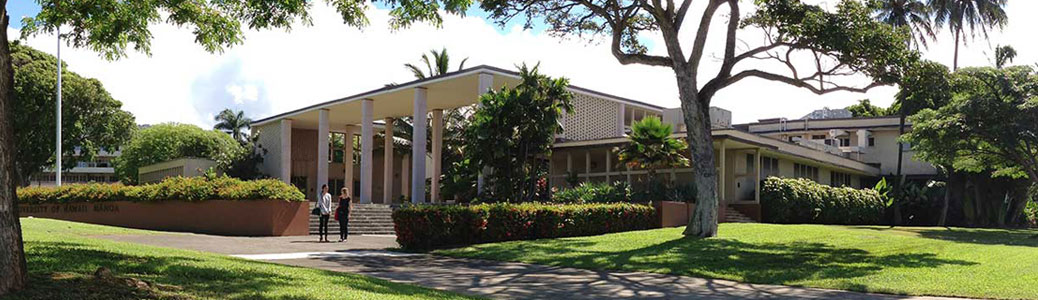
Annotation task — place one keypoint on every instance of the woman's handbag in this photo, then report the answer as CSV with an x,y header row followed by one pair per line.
x,y
316,211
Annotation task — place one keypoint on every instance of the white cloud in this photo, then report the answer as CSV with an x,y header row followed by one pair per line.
x,y
276,71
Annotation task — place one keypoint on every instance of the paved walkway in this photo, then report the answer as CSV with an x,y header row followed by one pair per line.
x,y
502,280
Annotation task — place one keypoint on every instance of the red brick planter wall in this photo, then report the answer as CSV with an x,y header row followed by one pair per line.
x,y
223,217
673,213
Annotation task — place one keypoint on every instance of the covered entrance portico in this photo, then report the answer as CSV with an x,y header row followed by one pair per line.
x,y
299,150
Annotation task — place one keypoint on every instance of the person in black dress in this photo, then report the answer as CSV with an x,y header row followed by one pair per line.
x,y
342,214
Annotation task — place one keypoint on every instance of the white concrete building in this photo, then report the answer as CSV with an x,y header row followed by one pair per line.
x,y
298,143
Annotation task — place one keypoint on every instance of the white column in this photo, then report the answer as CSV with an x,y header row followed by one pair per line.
x,y
756,191
486,83
863,138
720,179
418,144
347,159
286,151
322,149
437,154
405,175
366,131
387,178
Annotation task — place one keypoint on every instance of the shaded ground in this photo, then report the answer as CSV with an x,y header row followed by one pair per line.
x,y
255,245
916,261
62,258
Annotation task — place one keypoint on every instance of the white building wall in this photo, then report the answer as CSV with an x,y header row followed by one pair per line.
x,y
270,139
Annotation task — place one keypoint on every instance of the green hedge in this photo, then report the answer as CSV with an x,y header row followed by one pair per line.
x,y
785,200
590,192
433,226
173,188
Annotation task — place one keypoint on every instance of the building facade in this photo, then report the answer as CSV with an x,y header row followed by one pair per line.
x,y
99,170
839,152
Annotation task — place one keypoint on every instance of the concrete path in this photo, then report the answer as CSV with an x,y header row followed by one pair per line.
x,y
500,280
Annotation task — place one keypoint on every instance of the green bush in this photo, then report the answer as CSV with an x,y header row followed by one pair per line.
x,y
590,192
433,226
171,189
785,200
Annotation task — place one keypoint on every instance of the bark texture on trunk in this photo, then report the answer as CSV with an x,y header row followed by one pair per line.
x,y
12,253
947,195
702,222
955,60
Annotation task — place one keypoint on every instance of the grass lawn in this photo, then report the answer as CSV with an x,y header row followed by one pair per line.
x,y
62,258
985,263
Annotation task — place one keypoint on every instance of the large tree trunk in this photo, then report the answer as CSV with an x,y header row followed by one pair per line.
x,y
12,254
702,222
947,195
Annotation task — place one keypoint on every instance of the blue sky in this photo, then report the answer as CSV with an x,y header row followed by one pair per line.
x,y
19,9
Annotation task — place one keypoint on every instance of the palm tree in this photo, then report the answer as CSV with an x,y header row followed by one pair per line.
x,y
233,123
911,14
651,147
977,15
1003,55
439,65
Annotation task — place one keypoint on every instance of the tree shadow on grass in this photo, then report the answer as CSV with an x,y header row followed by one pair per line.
x,y
984,236
770,263
219,278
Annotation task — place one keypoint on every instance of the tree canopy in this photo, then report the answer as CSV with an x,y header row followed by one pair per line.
x,y
991,124
651,147
168,141
91,119
513,130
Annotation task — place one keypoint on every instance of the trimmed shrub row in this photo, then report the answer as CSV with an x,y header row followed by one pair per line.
x,y
591,192
432,226
173,188
786,200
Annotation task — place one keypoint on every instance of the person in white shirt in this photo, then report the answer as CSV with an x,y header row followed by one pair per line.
x,y
325,203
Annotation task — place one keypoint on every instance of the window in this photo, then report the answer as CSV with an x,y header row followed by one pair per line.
x,y
791,139
818,137
805,171
845,142
839,179
872,142
769,167
749,163
829,142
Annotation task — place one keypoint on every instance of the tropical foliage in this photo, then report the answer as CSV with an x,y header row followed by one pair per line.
x,y
424,226
168,141
234,123
513,130
170,189
591,192
913,15
975,15
1004,54
439,64
651,147
91,119
864,108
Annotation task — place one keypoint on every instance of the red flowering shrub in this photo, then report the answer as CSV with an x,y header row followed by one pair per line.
x,y
433,226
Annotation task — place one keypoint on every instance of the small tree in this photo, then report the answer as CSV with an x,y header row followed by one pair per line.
x,y
651,147
512,132
864,108
164,142
234,123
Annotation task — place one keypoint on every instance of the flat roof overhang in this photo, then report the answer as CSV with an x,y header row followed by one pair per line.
x,y
735,139
451,90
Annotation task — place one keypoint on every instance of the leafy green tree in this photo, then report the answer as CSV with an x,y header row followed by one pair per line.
x,y
512,132
243,162
846,39
234,123
976,15
1004,54
911,14
438,65
864,108
651,147
989,125
91,120
110,27
168,141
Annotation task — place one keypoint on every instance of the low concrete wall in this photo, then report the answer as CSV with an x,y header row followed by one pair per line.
x,y
223,217
672,213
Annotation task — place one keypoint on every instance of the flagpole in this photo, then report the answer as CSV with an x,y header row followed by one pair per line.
x,y
57,153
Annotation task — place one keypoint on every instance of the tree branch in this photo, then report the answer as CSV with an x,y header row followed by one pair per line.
x,y
701,35
797,82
